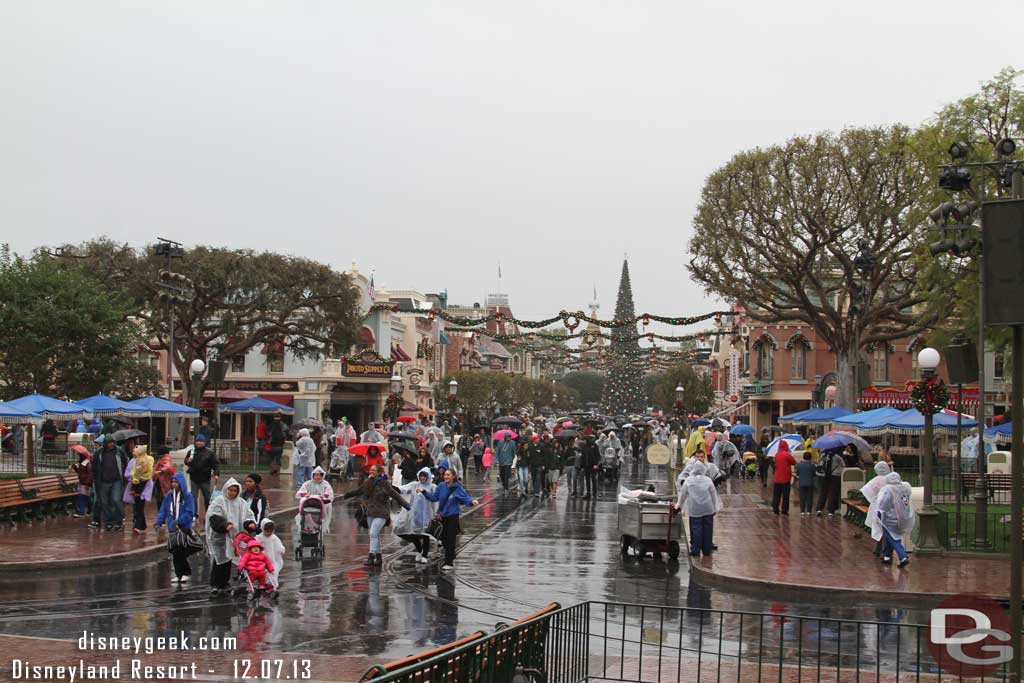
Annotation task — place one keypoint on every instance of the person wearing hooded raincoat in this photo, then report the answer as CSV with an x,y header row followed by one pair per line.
x,y
412,524
784,464
896,517
698,497
870,492
454,459
177,511
377,494
317,487
139,488
695,442
225,517
274,549
711,470
305,457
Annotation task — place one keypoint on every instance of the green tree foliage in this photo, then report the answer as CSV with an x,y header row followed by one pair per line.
x,y
484,394
623,390
698,394
243,300
778,230
63,332
588,383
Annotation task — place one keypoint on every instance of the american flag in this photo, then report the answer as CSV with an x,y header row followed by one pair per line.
x,y
372,291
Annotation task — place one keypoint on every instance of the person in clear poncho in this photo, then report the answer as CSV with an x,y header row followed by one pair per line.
x,y
896,518
412,524
711,470
870,492
699,499
317,487
225,517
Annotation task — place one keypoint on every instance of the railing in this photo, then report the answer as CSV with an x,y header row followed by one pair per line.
x,y
601,641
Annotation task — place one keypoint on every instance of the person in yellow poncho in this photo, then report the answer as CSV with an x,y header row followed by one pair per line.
x,y
695,442
140,472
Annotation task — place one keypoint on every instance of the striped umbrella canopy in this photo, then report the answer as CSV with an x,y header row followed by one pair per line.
x,y
9,415
108,406
47,407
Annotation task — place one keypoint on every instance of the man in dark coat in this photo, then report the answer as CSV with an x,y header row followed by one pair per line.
x,y
202,469
590,460
108,479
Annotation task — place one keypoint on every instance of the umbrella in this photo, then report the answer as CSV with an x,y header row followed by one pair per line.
x,y
500,434
399,446
155,405
742,430
103,406
363,448
307,423
719,423
565,418
406,418
125,434
855,419
13,416
840,439
257,405
80,449
700,422
567,434
628,425
47,407
794,441
408,436
510,421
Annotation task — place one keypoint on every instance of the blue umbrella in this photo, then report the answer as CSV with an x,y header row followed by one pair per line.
x,y
47,407
742,430
700,422
155,405
1000,433
10,415
102,406
840,439
257,405
794,441
821,415
867,416
912,422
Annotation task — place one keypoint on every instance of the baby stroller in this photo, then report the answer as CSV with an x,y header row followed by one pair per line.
x,y
336,467
610,465
244,585
311,528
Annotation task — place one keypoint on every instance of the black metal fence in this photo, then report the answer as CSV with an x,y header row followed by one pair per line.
x,y
601,641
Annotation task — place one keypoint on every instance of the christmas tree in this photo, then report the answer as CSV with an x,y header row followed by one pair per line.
x,y
623,389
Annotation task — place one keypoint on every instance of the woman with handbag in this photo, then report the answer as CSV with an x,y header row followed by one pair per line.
x,y
377,494
177,511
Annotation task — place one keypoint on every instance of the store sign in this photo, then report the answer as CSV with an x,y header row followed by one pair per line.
x,y
366,364
245,385
415,377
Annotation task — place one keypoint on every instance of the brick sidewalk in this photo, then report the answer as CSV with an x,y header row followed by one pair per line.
x,y
68,540
829,558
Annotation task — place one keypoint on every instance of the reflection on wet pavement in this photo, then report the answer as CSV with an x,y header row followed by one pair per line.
x,y
516,556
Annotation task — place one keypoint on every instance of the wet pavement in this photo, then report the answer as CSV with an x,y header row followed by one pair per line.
x,y
762,550
516,555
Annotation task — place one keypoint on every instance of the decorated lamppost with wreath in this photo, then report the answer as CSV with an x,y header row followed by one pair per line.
x,y
453,404
928,396
682,420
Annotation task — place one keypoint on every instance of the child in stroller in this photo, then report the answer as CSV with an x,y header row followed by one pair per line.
x,y
254,566
310,523
338,464
610,464
244,537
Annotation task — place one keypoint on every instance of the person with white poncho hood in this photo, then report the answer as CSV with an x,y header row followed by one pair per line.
x,y
698,497
411,525
870,492
274,550
317,487
895,518
225,517
304,457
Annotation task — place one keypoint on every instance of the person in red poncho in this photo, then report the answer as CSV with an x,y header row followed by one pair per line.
x,y
784,464
373,457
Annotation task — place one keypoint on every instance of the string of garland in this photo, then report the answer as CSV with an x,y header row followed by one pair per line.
x,y
586,335
929,395
571,319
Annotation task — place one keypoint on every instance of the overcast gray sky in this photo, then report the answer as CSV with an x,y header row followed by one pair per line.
x,y
426,140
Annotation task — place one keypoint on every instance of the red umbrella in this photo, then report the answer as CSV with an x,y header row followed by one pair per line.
x,y
406,418
363,448
81,450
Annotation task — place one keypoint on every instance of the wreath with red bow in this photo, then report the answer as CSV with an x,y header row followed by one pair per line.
x,y
929,396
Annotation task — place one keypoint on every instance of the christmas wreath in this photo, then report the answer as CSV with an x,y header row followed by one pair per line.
x,y
929,395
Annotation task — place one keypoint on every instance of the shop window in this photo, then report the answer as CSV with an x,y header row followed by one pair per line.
x,y
880,363
238,362
765,362
275,362
999,365
798,362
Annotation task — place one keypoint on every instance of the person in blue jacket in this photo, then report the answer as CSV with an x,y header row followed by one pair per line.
x,y
450,497
177,512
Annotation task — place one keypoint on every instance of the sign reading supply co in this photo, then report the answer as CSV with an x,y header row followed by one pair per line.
x,y
242,385
367,364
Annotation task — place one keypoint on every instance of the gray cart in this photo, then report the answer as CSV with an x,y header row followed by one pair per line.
x,y
648,525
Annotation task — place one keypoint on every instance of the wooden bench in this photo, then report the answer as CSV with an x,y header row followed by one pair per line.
x,y
23,499
856,511
993,482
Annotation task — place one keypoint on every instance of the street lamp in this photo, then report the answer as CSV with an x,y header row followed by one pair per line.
x,y
197,368
453,388
928,361
395,399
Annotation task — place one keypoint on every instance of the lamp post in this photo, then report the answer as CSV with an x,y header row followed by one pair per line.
x,y
453,390
395,399
928,361
197,368
684,421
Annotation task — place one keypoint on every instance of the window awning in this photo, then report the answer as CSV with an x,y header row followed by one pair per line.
x,y
398,353
444,338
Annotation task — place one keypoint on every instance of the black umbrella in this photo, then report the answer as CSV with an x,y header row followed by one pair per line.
x,y
125,434
610,429
567,434
404,446
408,436
507,421
307,423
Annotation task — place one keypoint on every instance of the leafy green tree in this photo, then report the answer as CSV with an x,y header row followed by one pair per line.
x,y
780,229
243,300
63,332
588,383
698,392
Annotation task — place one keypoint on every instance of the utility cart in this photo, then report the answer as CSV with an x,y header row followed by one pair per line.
x,y
649,526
